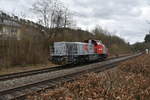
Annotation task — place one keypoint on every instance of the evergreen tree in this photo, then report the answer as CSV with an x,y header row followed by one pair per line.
x,y
147,38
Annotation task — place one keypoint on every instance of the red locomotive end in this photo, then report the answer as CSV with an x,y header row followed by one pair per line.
x,y
99,49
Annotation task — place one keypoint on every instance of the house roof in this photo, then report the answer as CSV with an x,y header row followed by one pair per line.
x,y
7,20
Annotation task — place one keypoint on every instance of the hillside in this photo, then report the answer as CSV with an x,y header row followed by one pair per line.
x,y
115,44
141,46
29,43
66,34
33,47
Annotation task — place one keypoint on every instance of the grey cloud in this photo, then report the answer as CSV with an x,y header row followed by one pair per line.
x,y
124,16
124,13
109,9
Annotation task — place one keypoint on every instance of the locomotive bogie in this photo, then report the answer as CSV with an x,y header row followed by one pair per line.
x,y
75,59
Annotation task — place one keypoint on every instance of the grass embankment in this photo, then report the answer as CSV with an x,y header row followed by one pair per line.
x,y
129,81
21,68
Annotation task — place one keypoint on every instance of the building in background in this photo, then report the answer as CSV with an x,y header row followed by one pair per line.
x,y
8,27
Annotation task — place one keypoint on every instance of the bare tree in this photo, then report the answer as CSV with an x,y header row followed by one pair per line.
x,y
58,15
58,19
43,9
67,18
53,13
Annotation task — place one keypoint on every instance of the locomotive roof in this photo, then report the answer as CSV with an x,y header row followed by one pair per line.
x,y
72,42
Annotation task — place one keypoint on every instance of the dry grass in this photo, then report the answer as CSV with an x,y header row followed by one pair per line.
x,y
22,52
138,66
130,81
9,70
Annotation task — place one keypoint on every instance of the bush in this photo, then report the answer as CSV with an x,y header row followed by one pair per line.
x,y
129,81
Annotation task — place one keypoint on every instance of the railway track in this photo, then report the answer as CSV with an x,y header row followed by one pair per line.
x,y
21,91
39,71
32,72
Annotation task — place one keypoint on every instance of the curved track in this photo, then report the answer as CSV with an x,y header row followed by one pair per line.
x,y
21,91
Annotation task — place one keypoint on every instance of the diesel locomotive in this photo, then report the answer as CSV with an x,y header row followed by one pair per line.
x,y
75,52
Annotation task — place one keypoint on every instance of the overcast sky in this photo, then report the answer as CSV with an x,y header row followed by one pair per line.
x,y
125,18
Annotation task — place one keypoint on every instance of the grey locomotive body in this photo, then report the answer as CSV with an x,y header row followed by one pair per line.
x,y
73,52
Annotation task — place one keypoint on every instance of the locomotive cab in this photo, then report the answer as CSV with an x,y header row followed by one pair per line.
x,y
99,48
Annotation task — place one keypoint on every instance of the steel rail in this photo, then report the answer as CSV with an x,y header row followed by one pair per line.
x,y
21,91
40,71
29,73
